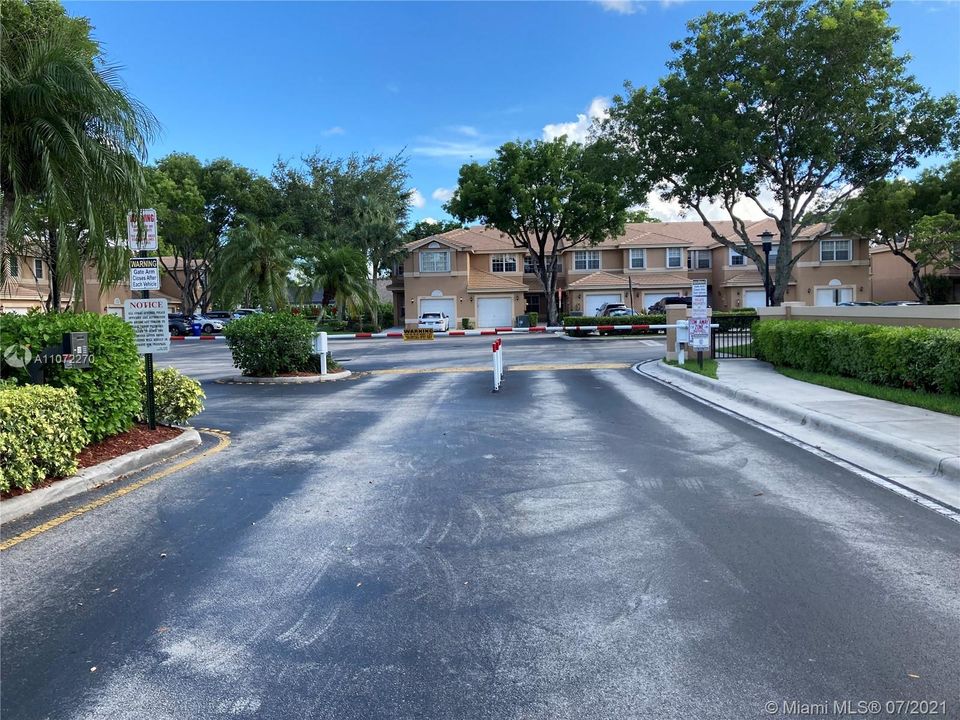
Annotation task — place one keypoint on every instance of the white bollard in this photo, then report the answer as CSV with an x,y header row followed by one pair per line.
x,y
320,348
497,347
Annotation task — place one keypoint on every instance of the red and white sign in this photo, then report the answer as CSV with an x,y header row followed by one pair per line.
x,y
142,235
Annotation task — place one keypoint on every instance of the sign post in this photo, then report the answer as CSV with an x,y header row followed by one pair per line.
x,y
141,238
699,320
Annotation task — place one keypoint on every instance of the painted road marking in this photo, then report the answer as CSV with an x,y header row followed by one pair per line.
x,y
652,343
510,368
224,441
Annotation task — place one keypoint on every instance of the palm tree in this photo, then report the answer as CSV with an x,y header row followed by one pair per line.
x,y
72,140
255,263
341,272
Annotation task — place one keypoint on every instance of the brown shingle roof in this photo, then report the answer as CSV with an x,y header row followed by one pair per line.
x,y
599,279
480,238
480,280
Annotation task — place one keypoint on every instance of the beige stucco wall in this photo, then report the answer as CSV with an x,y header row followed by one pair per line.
x,y
942,316
889,276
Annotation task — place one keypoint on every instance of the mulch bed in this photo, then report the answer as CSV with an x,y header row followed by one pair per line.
x,y
136,438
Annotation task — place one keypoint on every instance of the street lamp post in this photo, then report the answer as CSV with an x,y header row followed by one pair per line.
x,y
766,238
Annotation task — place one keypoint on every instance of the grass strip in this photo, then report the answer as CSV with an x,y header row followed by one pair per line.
x,y
949,404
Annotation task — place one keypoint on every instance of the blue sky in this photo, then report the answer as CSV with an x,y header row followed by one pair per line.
x,y
445,82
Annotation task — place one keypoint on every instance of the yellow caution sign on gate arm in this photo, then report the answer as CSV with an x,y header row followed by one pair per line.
x,y
418,334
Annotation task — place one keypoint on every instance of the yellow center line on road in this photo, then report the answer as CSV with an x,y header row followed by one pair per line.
x,y
223,442
509,368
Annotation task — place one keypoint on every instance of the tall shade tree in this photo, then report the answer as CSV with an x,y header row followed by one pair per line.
x,y
254,266
197,205
916,220
72,139
426,228
786,111
547,197
359,202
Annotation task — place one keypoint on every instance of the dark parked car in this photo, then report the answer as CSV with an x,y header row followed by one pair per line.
x,y
857,303
609,308
661,305
179,325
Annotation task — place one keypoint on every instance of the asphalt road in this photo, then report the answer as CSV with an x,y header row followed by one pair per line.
x,y
583,544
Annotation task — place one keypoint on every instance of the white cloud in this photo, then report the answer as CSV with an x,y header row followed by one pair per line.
x,y
468,130
442,194
622,7
670,3
335,130
453,149
746,209
429,220
579,131
417,199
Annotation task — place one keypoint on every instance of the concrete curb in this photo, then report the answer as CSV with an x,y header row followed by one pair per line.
x,y
296,380
93,477
935,462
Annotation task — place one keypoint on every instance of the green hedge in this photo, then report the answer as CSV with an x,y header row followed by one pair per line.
x,y
909,357
266,344
41,434
177,398
108,392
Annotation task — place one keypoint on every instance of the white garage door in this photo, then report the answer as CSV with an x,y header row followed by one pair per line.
x,y
495,312
592,302
832,296
443,305
653,298
754,298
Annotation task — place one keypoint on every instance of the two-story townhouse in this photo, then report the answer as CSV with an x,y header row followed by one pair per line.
x,y
27,287
477,274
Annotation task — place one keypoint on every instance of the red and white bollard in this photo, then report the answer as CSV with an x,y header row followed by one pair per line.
x,y
497,363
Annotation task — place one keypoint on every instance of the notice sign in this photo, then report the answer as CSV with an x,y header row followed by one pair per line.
x,y
144,274
150,324
699,333
142,230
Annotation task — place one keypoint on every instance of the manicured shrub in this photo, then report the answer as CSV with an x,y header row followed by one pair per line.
x,y
177,398
533,318
910,357
41,434
465,322
266,344
109,391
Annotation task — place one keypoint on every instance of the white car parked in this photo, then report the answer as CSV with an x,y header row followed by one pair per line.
x,y
436,321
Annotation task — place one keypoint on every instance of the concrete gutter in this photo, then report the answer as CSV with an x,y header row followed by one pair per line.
x,y
96,476
289,380
928,471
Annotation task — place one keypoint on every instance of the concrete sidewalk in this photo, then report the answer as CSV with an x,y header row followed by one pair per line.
x,y
915,448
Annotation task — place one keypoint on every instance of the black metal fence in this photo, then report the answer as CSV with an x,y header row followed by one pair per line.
x,y
733,340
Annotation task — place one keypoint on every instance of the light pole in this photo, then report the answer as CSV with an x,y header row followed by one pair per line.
x,y
766,238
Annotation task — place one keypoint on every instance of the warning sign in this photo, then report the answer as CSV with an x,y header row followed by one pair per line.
x,y
418,334
142,230
144,274
150,324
